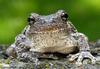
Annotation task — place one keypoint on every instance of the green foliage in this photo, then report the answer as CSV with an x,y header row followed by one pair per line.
x,y
13,15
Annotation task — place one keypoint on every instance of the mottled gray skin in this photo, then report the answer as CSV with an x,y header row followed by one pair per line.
x,y
51,33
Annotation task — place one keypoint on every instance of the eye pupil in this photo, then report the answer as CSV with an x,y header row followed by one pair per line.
x,y
65,15
31,20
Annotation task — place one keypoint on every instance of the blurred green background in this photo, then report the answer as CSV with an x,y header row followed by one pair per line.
x,y
85,15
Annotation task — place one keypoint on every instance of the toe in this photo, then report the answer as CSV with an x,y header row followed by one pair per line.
x,y
73,57
93,60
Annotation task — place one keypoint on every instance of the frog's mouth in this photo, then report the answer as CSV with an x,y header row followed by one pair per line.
x,y
49,28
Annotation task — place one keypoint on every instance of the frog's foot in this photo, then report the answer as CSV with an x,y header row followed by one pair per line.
x,y
81,56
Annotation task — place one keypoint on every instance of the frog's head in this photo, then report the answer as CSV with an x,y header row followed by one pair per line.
x,y
50,22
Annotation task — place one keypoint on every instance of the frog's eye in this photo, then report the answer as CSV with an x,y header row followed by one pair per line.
x,y
31,20
64,16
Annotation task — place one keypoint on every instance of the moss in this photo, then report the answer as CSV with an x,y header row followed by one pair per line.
x,y
0,65
7,61
47,66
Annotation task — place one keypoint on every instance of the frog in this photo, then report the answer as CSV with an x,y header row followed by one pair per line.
x,y
51,33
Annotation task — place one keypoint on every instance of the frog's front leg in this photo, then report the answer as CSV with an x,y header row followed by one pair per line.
x,y
84,50
23,45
